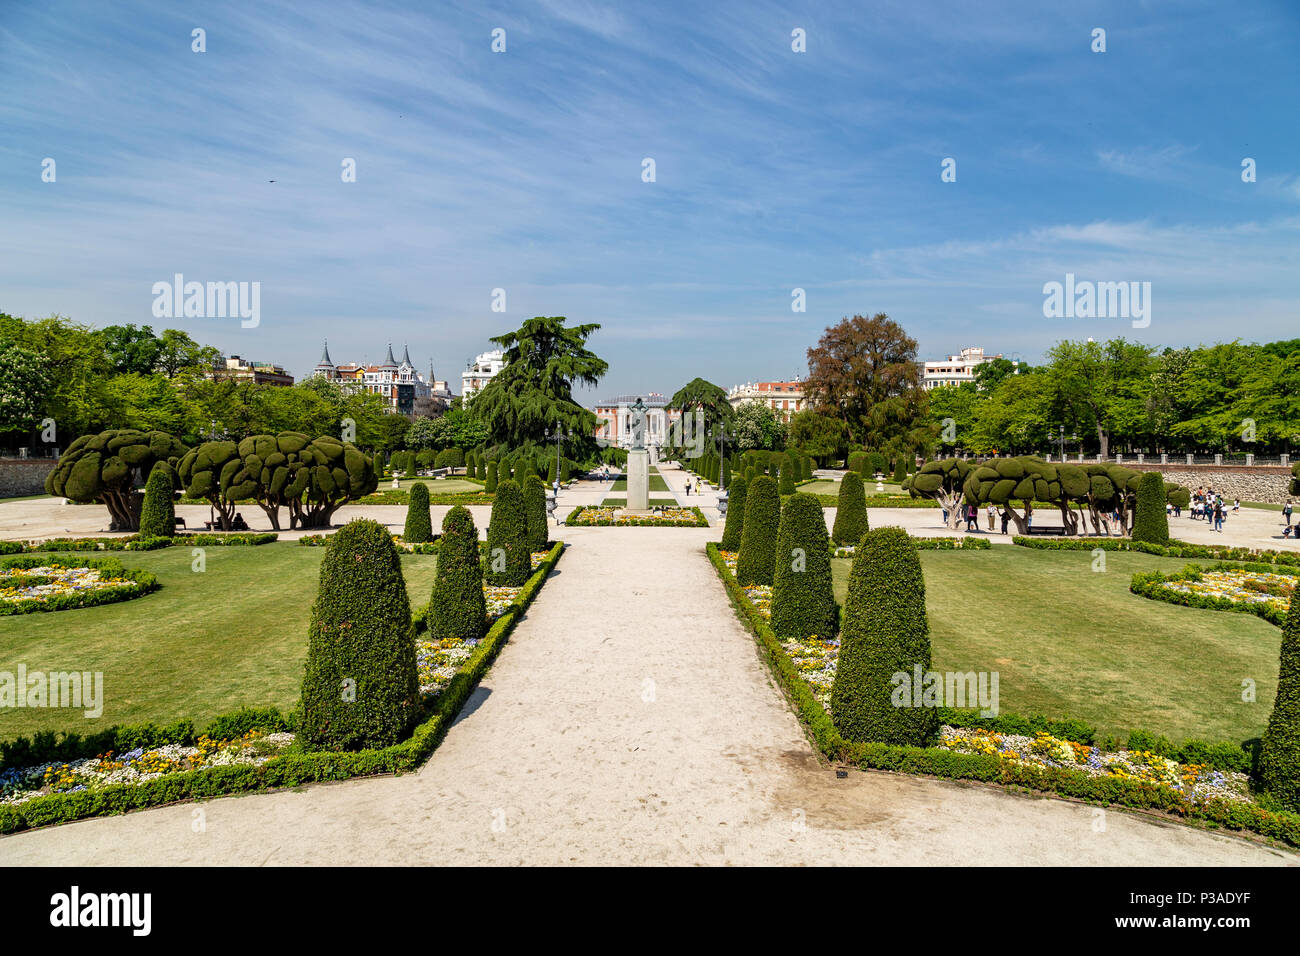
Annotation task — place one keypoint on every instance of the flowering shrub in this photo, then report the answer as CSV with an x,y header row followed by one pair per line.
x,y
618,517
21,784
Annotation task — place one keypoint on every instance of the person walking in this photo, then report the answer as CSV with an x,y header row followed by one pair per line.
x,y
1218,515
1286,512
1006,516
1029,516
991,511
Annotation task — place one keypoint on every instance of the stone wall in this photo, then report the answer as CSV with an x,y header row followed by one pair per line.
x,y
24,476
1267,483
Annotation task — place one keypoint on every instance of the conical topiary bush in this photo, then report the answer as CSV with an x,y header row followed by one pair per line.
x,y
1279,756
158,511
1151,523
851,511
535,508
457,608
758,533
787,475
509,558
419,526
803,601
735,515
884,631
360,687
490,484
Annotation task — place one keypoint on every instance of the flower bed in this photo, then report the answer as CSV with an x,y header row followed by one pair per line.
x,y
30,584
1197,783
616,517
1209,799
1262,589
18,785
289,768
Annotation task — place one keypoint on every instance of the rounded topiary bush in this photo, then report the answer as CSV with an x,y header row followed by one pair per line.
x,y
758,532
449,458
360,688
851,511
419,526
1279,756
535,508
158,512
508,556
735,514
490,482
457,608
803,602
1151,524
883,632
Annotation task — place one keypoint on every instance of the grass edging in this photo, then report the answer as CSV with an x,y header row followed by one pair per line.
x,y
1283,826
293,769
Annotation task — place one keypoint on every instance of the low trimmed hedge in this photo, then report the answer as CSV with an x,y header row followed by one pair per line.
x,y
879,501
406,547
400,496
1175,549
929,544
295,768
1151,584
134,583
140,543
1281,825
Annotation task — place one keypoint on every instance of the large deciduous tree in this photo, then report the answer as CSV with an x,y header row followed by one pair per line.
x,y
866,370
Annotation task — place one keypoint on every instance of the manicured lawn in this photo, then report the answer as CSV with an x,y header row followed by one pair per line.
x,y
657,483
824,487
622,502
202,645
436,486
1067,641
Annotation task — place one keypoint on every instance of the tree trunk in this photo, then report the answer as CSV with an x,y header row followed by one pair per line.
x,y
1103,439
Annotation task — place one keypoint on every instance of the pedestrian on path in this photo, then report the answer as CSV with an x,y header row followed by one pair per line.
x,y
991,512
1286,512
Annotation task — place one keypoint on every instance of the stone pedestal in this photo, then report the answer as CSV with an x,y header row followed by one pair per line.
x,y
638,480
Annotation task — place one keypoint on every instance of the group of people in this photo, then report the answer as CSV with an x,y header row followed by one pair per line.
x,y
971,514
1208,505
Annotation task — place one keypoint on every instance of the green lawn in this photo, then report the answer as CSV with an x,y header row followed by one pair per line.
x,y
1067,641
622,502
436,486
657,483
202,645
824,487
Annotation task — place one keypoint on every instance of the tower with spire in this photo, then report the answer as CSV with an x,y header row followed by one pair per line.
x,y
325,368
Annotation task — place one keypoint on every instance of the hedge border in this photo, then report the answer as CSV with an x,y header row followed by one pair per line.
x,y
1151,584
930,544
639,522
1283,826
293,769
206,539
1175,549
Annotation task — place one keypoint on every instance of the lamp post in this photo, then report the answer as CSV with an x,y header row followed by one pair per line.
x,y
553,498
1061,431
722,457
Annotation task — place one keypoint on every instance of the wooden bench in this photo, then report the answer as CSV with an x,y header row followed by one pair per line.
x,y
1052,529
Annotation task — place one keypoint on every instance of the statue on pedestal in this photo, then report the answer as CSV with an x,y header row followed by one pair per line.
x,y
636,423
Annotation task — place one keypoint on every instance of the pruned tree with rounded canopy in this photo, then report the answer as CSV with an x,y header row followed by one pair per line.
x,y
109,467
943,481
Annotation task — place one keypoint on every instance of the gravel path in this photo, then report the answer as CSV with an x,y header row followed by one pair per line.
x,y
630,720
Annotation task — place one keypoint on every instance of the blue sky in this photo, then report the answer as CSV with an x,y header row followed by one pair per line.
x,y
774,170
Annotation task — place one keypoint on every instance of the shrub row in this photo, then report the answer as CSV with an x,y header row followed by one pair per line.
x,y
1175,549
292,769
140,542
1281,825
932,544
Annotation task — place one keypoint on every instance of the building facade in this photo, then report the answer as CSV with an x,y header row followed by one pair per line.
x,y
956,369
404,389
613,425
262,373
784,398
479,372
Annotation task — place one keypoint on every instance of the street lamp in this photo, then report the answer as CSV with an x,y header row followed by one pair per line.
x,y
722,458
553,497
1061,430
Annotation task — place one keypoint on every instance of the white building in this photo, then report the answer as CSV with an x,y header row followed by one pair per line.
x,y
784,398
956,369
479,372
614,427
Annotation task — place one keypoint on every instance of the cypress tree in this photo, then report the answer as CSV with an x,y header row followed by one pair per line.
x,y
1151,524
565,470
1279,756
900,471
419,525
735,514
535,507
758,533
807,468
482,467
457,607
158,511
787,476
726,473
379,464
803,601
491,479
750,473
552,473
884,632
410,463
851,512
509,559
360,688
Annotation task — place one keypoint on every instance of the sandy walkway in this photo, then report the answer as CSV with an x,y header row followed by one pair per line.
x,y
629,720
